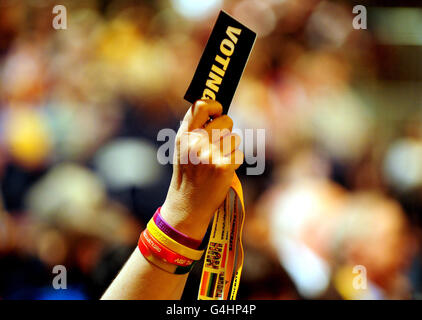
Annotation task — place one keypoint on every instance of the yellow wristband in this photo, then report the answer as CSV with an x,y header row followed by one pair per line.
x,y
171,244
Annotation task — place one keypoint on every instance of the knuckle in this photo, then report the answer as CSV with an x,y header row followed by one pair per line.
x,y
200,106
218,105
213,102
228,121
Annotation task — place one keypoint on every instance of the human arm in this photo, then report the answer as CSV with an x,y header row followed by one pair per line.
x,y
195,193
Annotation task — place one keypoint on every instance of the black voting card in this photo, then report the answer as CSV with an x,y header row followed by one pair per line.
x,y
222,62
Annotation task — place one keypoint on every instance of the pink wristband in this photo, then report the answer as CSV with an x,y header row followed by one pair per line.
x,y
173,233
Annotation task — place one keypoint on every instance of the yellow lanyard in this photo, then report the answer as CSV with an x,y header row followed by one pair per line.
x,y
226,236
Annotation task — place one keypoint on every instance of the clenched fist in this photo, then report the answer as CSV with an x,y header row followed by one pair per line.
x,y
205,158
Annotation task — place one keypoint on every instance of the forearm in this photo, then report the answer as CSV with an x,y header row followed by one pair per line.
x,y
139,279
195,193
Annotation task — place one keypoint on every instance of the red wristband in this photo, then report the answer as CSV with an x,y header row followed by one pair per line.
x,y
163,252
171,268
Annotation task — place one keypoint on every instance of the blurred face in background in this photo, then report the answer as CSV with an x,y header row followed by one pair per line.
x,y
375,234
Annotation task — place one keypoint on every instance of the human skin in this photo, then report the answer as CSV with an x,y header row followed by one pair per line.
x,y
195,193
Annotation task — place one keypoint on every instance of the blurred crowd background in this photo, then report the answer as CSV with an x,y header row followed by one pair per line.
x,y
80,110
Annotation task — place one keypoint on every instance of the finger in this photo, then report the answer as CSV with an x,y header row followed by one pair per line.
x,y
236,159
200,112
219,127
233,161
228,144
189,143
